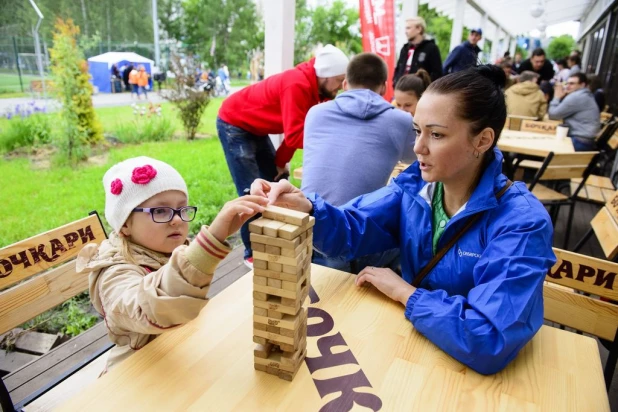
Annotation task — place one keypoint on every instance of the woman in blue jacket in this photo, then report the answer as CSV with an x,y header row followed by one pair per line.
x,y
483,301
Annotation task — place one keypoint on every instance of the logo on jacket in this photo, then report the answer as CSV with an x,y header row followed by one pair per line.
x,y
462,253
421,57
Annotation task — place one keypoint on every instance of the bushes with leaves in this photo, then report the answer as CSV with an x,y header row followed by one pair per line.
x,y
190,100
147,126
27,126
80,126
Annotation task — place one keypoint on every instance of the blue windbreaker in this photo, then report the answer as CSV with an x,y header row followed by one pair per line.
x,y
484,300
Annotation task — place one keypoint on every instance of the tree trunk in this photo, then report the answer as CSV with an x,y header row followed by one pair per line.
x,y
109,28
85,17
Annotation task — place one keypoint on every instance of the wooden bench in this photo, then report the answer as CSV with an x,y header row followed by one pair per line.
x,y
36,275
560,166
584,313
605,226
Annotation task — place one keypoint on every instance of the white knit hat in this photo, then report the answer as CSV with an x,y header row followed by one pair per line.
x,y
133,181
330,62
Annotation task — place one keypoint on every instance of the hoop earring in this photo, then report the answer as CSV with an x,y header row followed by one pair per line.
x,y
476,153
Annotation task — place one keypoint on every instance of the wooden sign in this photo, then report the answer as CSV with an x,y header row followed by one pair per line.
x,y
538,127
33,255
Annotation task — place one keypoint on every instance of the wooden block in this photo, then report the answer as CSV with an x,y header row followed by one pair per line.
x,y
272,250
260,296
274,266
286,215
274,303
292,359
272,228
273,283
284,260
289,285
260,280
257,225
258,247
278,275
260,264
292,270
260,312
297,251
292,295
303,237
259,326
310,223
289,231
274,361
260,340
289,322
272,314
275,241
277,339
263,351
273,329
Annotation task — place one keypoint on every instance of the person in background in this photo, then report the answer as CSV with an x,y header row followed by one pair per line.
x,y
126,74
483,300
358,127
563,71
517,62
526,98
223,77
539,64
548,90
465,55
276,105
418,53
507,67
574,63
576,106
409,90
133,81
142,82
596,87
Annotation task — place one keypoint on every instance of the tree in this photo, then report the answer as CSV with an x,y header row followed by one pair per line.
x,y
337,25
438,27
70,74
560,47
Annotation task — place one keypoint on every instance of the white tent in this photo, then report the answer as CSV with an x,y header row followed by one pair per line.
x,y
100,67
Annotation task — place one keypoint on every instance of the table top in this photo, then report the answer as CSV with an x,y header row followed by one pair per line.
x,y
208,364
534,144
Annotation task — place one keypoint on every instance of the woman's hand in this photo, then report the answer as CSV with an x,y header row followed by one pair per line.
x,y
282,193
387,282
234,214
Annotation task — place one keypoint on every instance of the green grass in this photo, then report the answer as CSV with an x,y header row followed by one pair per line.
x,y
9,83
13,95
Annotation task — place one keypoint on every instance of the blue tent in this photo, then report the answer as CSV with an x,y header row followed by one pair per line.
x,y
100,67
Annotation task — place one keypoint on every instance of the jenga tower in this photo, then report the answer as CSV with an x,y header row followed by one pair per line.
x,y
282,245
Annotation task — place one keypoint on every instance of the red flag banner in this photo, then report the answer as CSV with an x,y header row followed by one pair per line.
x,y
378,29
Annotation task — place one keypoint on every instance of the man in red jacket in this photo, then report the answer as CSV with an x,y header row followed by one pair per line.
x,y
276,105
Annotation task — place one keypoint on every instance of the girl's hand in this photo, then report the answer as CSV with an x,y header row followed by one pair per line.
x,y
234,214
282,193
387,282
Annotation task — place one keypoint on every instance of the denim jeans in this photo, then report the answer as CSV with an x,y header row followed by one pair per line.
x,y
388,259
583,145
248,157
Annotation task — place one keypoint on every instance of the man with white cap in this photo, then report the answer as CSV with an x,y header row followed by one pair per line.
x,y
275,105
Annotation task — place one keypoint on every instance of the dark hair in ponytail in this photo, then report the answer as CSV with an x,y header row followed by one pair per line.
x,y
416,83
480,99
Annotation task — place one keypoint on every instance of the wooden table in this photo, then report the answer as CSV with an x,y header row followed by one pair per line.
x,y
533,144
208,364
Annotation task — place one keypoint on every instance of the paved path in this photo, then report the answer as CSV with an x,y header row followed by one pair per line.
x,y
99,100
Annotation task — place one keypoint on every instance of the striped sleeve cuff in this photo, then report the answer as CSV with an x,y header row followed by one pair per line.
x,y
205,252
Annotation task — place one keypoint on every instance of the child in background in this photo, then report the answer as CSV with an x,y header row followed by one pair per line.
x,y
409,90
147,278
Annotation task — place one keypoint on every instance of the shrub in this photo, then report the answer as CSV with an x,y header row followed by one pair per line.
x,y
560,47
145,129
25,129
191,101
70,73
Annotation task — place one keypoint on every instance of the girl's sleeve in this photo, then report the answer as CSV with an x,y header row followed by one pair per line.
x,y
151,303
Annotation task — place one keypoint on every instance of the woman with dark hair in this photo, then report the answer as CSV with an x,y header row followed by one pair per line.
x,y
483,243
409,90
596,87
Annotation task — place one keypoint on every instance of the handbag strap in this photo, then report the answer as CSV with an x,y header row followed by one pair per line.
x,y
472,220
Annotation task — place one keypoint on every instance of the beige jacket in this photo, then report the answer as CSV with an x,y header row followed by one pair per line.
x,y
526,99
159,293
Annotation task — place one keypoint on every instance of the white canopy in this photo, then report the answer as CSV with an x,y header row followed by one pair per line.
x,y
114,57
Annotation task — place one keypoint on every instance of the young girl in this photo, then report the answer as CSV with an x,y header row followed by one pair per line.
x,y
409,90
483,300
147,278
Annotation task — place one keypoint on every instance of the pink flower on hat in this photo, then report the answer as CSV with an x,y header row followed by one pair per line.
x,y
116,187
143,175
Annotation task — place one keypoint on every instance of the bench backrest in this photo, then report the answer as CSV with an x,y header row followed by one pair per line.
x,y
559,166
546,127
39,273
605,227
581,312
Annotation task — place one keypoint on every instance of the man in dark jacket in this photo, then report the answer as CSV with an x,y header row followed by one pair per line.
x,y
465,55
539,64
418,52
